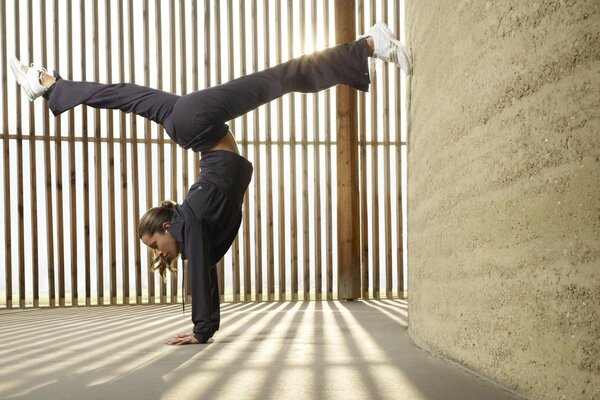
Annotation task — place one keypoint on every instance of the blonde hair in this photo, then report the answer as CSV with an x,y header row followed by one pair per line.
x,y
150,223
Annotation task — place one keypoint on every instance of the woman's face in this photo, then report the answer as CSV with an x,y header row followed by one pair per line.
x,y
163,244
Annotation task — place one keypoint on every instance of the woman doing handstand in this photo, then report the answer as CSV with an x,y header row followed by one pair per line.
x,y
203,227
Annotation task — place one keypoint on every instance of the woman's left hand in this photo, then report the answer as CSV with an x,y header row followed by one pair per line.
x,y
181,340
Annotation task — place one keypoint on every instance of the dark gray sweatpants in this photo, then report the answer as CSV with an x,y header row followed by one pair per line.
x,y
198,120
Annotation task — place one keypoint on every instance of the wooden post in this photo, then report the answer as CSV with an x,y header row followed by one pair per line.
x,y
347,167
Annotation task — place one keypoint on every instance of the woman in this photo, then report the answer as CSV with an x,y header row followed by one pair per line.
x,y
204,226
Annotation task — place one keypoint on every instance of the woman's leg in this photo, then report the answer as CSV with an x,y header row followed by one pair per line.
x,y
343,64
199,118
153,104
215,312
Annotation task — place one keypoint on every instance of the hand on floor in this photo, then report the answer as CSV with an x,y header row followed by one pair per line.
x,y
183,338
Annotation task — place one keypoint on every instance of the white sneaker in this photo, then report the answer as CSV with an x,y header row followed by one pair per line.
x,y
28,78
387,48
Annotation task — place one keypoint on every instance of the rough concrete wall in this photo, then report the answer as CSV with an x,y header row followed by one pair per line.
x,y
504,190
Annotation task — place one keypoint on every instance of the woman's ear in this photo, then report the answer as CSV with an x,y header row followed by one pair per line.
x,y
166,225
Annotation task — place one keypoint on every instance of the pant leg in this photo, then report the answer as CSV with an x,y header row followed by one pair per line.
x,y
212,107
153,104
215,314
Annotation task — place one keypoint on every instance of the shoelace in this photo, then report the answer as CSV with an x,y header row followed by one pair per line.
x,y
41,69
394,52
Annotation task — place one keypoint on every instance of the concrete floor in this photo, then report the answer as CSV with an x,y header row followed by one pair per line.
x,y
304,350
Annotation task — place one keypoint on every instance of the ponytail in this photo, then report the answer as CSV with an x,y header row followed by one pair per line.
x,y
150,223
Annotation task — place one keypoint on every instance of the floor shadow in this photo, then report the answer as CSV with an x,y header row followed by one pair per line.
x,y
434,377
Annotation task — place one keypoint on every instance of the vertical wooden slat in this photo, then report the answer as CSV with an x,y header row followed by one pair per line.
x,y
48,173
85,166
196,75
6,154
221,262
161,137
258,266
317,168
124,176
304,155
364,215
111,160
187,292
269,161
183,51
71,164
134,153
174,147
147,145
347,164
33,175
293,210
246,212
374,175
58,169
98,174
399,222
235,267
280,174
386,172
244,124
329,171
19,132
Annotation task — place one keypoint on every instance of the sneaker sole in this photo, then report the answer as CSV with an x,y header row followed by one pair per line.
x,y
404,51
390,36
22,82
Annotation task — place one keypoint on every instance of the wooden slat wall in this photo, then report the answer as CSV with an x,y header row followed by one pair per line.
x,y
294,168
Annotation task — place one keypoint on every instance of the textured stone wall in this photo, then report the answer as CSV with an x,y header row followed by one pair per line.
x,y
504,190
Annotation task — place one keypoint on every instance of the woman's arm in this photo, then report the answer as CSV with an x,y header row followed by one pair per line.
x,y
197,250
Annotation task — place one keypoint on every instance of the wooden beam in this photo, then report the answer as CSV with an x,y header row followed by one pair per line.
x,y
347,167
